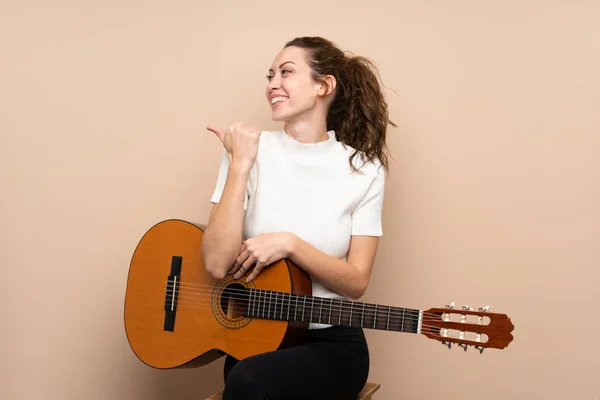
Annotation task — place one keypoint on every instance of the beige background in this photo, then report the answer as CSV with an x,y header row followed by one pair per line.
x,y
492,199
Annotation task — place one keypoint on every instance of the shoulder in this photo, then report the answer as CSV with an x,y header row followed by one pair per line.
x,y
374,173
266,135
369,168
269,139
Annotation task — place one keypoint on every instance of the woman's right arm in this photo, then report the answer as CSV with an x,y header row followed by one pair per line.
x,y
222,239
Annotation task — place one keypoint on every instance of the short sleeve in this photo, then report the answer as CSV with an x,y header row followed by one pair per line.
x,y
367,217
222,178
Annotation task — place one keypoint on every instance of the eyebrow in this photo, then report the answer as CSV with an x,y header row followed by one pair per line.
x,y
281,65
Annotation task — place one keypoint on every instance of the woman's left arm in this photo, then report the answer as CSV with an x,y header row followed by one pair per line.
x,y
349,278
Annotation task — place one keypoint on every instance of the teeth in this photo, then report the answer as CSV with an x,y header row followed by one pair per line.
x,y
277,99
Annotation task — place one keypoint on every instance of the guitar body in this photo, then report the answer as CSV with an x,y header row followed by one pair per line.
x,y
178,315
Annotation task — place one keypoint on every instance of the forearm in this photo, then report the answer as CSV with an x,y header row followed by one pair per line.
x,y
338,275
222,238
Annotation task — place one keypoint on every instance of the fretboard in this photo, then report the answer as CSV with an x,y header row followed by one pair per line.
x,y
292,307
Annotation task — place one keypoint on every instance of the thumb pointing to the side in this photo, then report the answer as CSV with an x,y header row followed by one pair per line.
x,y
219,132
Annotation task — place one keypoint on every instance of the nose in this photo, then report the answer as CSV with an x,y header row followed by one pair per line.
x,y
274,84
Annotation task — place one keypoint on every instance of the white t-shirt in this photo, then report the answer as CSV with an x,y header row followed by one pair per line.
x,y
310,190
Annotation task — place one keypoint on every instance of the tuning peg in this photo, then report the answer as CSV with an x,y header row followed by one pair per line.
x,y
451,305
449,344
480,348
468,308
464,346
484,309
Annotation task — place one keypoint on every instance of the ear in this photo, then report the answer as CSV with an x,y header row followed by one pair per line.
x,y
327,85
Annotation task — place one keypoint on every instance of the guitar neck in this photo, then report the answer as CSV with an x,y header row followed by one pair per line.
x,y
296,307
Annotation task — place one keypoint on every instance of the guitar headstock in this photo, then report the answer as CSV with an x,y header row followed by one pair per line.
x,y
467,327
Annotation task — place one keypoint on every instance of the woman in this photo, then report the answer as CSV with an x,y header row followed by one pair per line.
x,y
312,193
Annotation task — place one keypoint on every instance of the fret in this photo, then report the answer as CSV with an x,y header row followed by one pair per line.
x,y
249,303
282,301
312,303
277,303
351,305
402,327
289,305
296,309
330,305
362,319
256,303
388,318
416,321
340,321
303,307
375,317
321,310
269,309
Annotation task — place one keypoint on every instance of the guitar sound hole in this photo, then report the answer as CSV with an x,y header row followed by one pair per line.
x,y
234,300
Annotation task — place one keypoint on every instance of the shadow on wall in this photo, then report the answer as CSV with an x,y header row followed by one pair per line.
x,y
188,383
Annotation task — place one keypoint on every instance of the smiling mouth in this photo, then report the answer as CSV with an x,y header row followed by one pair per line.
x,y
275,101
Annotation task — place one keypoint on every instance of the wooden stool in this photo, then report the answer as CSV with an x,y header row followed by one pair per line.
x,y
365,394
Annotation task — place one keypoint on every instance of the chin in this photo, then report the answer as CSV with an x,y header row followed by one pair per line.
x,y
275,116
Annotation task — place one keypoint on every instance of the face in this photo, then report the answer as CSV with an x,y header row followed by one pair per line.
x,y
291,91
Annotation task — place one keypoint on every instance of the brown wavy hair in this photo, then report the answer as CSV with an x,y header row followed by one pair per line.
x,y
358,113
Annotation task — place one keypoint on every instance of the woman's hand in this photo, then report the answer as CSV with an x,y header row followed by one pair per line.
x,y
261,251
241,143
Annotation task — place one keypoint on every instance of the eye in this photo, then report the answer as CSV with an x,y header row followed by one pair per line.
x,y
269,77
284,72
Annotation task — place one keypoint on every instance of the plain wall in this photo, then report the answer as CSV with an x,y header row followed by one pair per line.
x,y
492,198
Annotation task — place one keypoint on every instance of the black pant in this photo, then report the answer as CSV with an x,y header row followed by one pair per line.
x,y
332,364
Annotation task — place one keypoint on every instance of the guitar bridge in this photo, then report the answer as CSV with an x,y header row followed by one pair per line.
x,y
172,293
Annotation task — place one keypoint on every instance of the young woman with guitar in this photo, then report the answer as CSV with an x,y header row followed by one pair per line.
x,y
311,193
272,281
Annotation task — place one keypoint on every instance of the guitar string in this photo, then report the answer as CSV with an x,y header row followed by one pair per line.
x,y
263,300
265,307
193,286
265,314
245,292
313,300
337,304
277,299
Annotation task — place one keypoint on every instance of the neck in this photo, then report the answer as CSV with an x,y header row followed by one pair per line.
x,y
307,130
292,307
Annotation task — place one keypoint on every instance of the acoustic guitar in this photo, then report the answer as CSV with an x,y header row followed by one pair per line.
x,y
178,315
